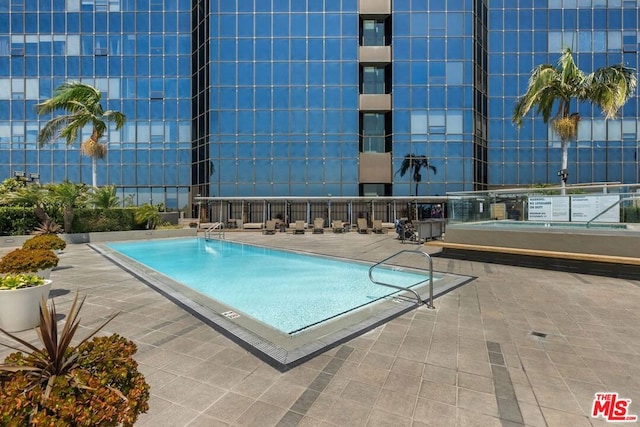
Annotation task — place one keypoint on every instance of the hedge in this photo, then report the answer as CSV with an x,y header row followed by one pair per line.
x,y
17,220
89,220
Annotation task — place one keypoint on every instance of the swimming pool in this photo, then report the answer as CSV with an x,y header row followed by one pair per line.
x,y
283,306
288,291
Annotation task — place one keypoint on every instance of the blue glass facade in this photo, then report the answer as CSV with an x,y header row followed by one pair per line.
x,y
265,97
283,97
138,53
522,35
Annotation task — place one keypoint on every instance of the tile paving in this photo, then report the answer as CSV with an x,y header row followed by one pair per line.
x,y
470,362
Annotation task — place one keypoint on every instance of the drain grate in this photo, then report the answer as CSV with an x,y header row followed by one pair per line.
x,y
230,314
539,334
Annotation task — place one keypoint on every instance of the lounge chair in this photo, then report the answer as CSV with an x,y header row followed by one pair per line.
x,y
298,227
270,227
318,226
362,226
338,226
377,227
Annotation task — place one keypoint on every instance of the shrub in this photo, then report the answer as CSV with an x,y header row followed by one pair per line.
x,y
28,261
15,221
19,281
95,383
45,241
90,220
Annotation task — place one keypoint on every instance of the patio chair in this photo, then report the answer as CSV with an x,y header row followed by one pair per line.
x,y
270,227
318,226
377,227
337,226
362,226
298,227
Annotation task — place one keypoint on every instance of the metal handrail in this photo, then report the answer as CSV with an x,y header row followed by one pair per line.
x,y
623,199
216,226
402,288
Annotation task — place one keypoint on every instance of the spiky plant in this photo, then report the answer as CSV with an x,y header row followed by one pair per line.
x,y
47,227
93,383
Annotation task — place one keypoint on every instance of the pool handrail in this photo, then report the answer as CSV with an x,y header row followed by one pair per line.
x,y
617,202
429,304
215,226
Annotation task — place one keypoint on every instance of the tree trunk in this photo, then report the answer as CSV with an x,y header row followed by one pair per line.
x,y
565,157
67,218
94,172
41,214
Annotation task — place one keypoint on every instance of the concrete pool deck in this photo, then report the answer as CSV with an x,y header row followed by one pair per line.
x,y
472,361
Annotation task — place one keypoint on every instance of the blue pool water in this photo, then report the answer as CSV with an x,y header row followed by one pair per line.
x,y
285,290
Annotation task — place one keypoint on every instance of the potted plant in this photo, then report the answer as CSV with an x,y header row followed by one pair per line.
x,y
39,261
95,382
20,296
45,241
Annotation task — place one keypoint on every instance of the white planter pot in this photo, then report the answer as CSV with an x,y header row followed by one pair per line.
x,y
45,274
20,308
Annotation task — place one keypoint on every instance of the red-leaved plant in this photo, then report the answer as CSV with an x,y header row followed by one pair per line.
x,y
94,383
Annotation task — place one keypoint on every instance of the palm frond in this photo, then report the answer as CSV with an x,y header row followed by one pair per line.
x,y
51,130
611,87
543,87
74,127
66,94
115,116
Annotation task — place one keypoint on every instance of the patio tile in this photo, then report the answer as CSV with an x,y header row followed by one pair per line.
x,y
395,402
348,413
189,393
229,407
359,392
557,418
260,413
380,418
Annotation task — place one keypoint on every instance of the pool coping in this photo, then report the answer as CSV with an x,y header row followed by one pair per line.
x,y
274,347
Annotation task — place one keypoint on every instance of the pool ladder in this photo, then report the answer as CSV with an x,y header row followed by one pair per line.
x,y
216,226
429,302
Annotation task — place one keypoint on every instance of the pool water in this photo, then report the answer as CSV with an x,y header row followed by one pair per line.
x,y
288,291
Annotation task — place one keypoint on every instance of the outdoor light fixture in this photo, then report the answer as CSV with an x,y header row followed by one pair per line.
x,y
19,174
34,176
563,174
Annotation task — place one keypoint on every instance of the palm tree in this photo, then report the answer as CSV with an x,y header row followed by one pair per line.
x,y
81,102
68,196
415,163
608,87
147,214
104,197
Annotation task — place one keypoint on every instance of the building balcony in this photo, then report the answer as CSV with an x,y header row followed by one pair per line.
x,y
374,7
375,168
374,54
375,102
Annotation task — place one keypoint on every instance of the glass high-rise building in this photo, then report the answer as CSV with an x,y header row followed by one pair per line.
x,y
522,34
312,97
138,53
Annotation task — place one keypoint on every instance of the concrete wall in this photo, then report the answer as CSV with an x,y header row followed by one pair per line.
x,y
107,236
615,243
